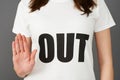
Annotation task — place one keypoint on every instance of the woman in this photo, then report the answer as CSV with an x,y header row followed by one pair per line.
x,y
54,39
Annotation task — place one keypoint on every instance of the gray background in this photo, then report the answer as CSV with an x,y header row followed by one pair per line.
x,y
7,14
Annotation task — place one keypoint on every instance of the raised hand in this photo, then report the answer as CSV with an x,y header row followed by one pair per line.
x,y
23,58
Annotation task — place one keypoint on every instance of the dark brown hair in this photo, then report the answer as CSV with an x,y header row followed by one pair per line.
x,y
83,5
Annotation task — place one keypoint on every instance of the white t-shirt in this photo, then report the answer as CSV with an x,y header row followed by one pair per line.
x,y
63,38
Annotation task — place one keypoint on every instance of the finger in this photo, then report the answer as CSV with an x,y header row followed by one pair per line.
x,y
13,49
17,45
25,43
33,54
20,41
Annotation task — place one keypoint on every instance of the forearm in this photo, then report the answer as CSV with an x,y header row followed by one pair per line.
x,y
106,71
104,50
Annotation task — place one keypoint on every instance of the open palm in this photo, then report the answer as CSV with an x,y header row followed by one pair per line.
x,y
23,58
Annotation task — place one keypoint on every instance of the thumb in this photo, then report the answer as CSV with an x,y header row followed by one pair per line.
x,y
33,54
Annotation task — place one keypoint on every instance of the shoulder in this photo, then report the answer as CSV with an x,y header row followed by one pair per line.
x,y
24,2
99,1
24,5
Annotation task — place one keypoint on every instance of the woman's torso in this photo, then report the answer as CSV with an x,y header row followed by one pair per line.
x,y
56,26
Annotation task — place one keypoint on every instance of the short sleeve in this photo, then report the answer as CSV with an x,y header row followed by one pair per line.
x,y
104,19
20,22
